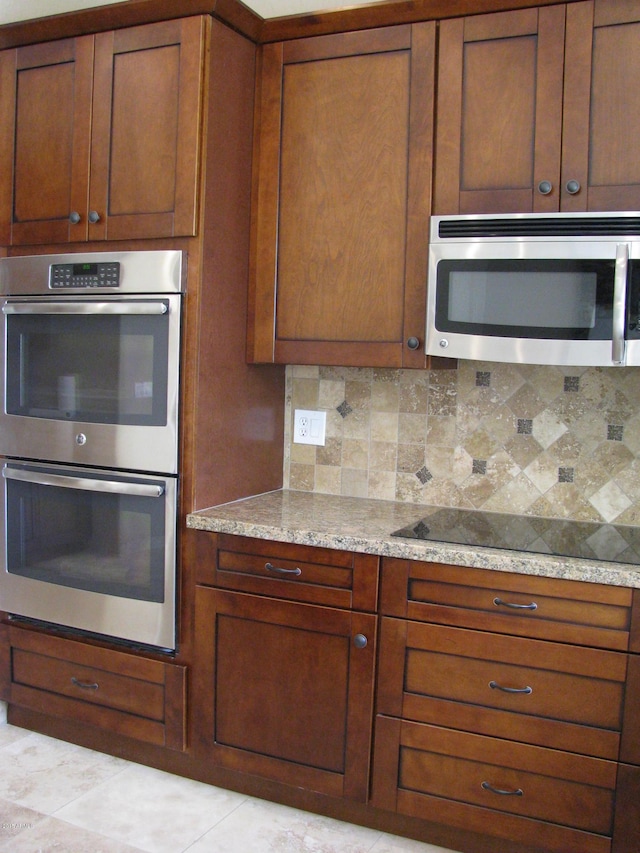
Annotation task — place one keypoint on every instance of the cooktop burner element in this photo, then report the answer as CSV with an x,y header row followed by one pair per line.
x,y
583,539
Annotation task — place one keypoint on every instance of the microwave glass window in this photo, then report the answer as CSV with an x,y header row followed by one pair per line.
x,y
90,540
91,368
506,298
544,299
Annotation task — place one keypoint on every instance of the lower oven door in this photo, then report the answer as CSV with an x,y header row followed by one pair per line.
x,y
90,550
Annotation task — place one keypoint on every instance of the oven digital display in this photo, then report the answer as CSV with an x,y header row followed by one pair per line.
x,y
85,269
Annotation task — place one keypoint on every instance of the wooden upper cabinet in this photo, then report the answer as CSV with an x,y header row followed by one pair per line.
x,y
342,198
106,135
499,111
538,110
601,130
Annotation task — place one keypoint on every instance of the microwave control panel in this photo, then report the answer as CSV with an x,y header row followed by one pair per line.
x,y
100,274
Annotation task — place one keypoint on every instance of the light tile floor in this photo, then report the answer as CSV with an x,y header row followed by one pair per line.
x,y
55,796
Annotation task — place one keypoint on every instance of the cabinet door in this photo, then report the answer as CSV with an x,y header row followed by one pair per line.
x,y
342,199
44,154
500,112
601,131
145,141
284,690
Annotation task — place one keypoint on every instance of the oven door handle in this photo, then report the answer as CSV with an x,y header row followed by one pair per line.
x,y
141,490
129,307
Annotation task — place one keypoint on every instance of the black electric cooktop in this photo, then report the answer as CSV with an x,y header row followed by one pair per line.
x,y
583,539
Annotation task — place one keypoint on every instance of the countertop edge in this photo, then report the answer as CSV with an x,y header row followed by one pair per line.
x,y
221,520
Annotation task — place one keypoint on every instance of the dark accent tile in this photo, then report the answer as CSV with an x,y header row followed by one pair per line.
x,y
614,432
565,475
483,378
479,466
344,409
525,426
571,383
424,475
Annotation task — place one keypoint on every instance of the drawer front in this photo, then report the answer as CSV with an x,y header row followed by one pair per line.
x,y
547,608
89,684
558,800
555,695
138,697
282,570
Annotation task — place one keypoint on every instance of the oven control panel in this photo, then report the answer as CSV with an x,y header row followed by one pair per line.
x,y
100,274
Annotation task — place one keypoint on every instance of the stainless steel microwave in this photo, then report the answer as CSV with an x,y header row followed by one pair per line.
x,y
558,289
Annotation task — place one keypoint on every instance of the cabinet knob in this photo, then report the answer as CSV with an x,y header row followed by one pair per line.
x,y
545,187
94,216
413,343
74,217
573,187
360,641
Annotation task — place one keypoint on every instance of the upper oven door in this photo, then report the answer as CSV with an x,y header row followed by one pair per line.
x,y
92,380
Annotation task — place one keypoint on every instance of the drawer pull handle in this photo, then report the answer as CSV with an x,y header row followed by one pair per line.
x,y
495,686
500,603
84,685
282,571
518,792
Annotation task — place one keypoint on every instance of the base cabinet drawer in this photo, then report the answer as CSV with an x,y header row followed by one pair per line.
x,y
551,694
558,800
127,694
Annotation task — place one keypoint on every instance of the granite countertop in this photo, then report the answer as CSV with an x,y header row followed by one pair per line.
x,y
365,526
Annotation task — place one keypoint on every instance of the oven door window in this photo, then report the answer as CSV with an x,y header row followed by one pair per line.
x,y
105,367
515,298
92,532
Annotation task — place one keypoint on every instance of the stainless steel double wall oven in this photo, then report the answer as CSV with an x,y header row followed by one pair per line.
x,y
89,440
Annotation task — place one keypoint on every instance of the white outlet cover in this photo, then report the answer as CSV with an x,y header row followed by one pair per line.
x,y
309,427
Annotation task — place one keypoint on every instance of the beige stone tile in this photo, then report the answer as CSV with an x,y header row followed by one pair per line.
x,y
328,479
382,485
410,458
413,398
330,453
302,477
304,394
304,371
152,810
411,428
56,836
384,426
356,424
385,397
44,774
354,483
355,453
262,827
330,393
358,395
383,456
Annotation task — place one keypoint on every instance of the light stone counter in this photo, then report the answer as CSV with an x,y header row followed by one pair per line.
x,y
365,526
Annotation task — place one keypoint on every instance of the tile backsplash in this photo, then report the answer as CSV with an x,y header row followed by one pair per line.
x,y
525,439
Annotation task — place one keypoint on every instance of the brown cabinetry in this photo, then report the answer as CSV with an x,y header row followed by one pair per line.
x,y
537,110
342,198
509,723
123,693
283,688
101,135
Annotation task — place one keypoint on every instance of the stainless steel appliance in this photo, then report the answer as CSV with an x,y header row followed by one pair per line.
x,y
89,436
90,358
535,288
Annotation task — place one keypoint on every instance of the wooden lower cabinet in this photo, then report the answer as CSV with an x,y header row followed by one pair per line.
x,y
117,691
504,705
284,690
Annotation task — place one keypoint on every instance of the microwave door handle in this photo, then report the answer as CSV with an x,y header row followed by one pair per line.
x,y
619,303
141,490
133,308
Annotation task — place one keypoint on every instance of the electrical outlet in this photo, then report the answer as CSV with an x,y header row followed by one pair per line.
x,y
309,427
